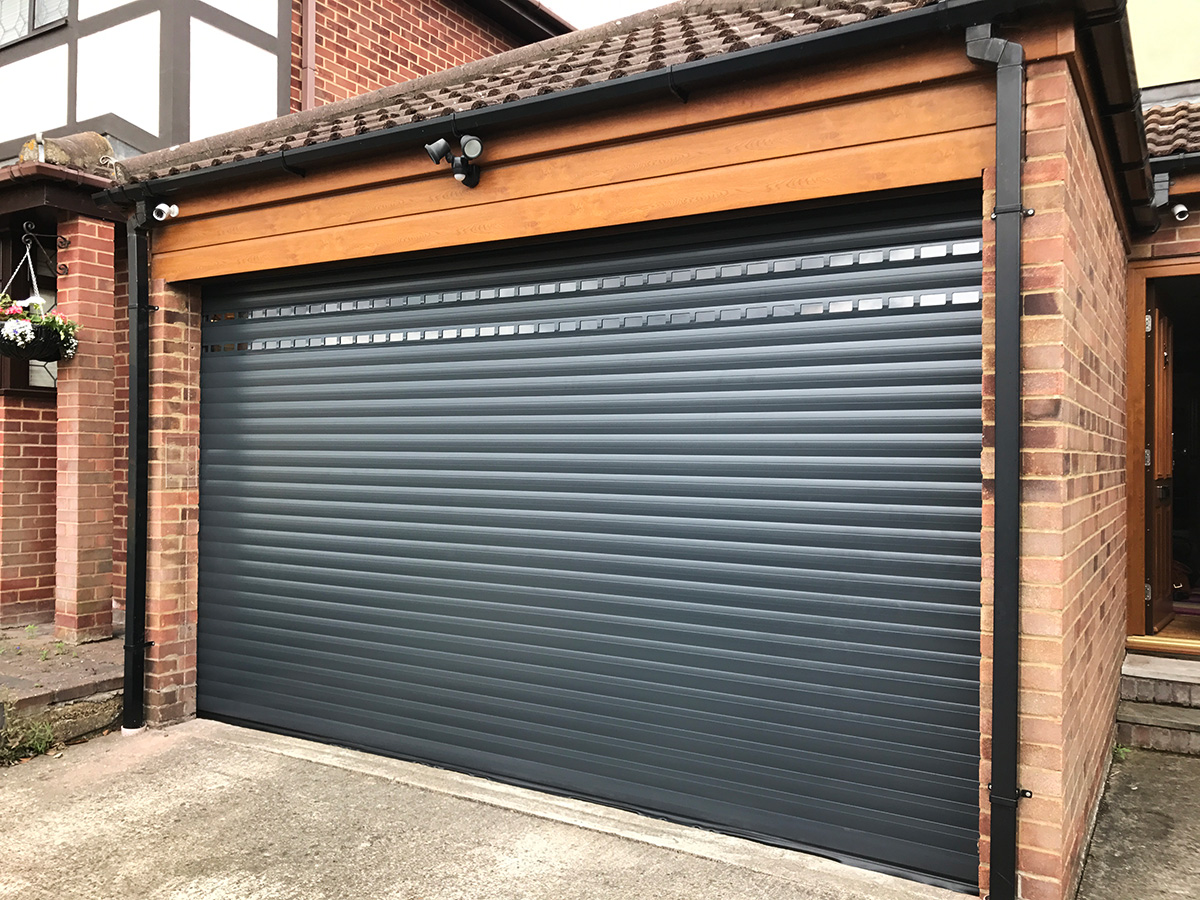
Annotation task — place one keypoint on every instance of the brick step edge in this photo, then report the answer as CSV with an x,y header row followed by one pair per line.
x,y
1150,726
70,720
1154,690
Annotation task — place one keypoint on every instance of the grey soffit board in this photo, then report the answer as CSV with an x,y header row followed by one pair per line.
x,y
691,529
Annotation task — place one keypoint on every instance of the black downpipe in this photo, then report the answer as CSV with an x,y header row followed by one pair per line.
x,y
1009,59
134,715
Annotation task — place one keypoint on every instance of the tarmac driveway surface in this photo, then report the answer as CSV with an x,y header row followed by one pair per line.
x,y
208,810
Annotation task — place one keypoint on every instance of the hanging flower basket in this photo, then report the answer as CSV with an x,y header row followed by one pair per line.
x,y
26,333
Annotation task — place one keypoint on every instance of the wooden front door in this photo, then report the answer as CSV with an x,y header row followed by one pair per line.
x,y
1159,482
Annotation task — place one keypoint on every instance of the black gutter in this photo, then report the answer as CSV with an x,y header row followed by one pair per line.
x,y
1175,163
1004,793
134,714
526,19
840,43
1108,49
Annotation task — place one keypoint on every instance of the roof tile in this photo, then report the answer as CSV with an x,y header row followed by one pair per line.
x,y
680,33
1173,129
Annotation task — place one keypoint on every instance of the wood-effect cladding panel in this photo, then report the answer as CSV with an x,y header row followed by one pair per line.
x,y
895,125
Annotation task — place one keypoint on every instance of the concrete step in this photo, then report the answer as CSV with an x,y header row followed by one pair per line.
x,y
1154,726
1168,682
52,691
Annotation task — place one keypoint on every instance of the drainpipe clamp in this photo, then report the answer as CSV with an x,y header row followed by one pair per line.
x,y
1009,802
1004,210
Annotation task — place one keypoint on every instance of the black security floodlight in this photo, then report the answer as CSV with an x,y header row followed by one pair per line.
x,y
464,170
438,150
471,146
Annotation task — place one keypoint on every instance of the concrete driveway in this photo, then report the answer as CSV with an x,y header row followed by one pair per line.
x,y
1146,845
206,810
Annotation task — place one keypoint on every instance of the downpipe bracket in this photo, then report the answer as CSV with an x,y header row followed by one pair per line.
x,y
1010,802
1007,210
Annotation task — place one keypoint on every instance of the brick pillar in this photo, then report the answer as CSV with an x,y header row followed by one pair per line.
x,y
173,523
83,577
1073,554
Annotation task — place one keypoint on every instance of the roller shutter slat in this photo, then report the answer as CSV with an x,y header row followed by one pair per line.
x,y
647,526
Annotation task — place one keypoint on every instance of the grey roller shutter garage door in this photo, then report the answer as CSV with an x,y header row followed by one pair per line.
x,y
689,523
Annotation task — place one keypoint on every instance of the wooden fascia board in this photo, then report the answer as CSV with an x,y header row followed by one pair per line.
x,y
772,172
1185,184
932,61
953,156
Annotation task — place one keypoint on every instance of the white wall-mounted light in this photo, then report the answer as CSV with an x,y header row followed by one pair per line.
x,y
471,146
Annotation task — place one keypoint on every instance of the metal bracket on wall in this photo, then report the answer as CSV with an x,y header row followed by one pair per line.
x,y
1011,802
1001,210
31,237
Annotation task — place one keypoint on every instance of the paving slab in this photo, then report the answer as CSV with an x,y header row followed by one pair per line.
x,y
1146,845
208,810
1186,671
36,669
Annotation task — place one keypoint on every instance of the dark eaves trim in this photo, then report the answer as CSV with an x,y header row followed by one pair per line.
x,y
526,19
677,80
1108,49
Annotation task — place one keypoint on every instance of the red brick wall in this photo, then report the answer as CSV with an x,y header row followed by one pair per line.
x,y
1172,239
363,45
28,437
120,417
1073,489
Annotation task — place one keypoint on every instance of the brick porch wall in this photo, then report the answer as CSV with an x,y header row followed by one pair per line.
x,y
1073,489
28,460
120,415
364,45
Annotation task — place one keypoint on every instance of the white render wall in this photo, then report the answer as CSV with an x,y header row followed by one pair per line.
x,y
35,94
262,14
124,52
133,99
233,83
